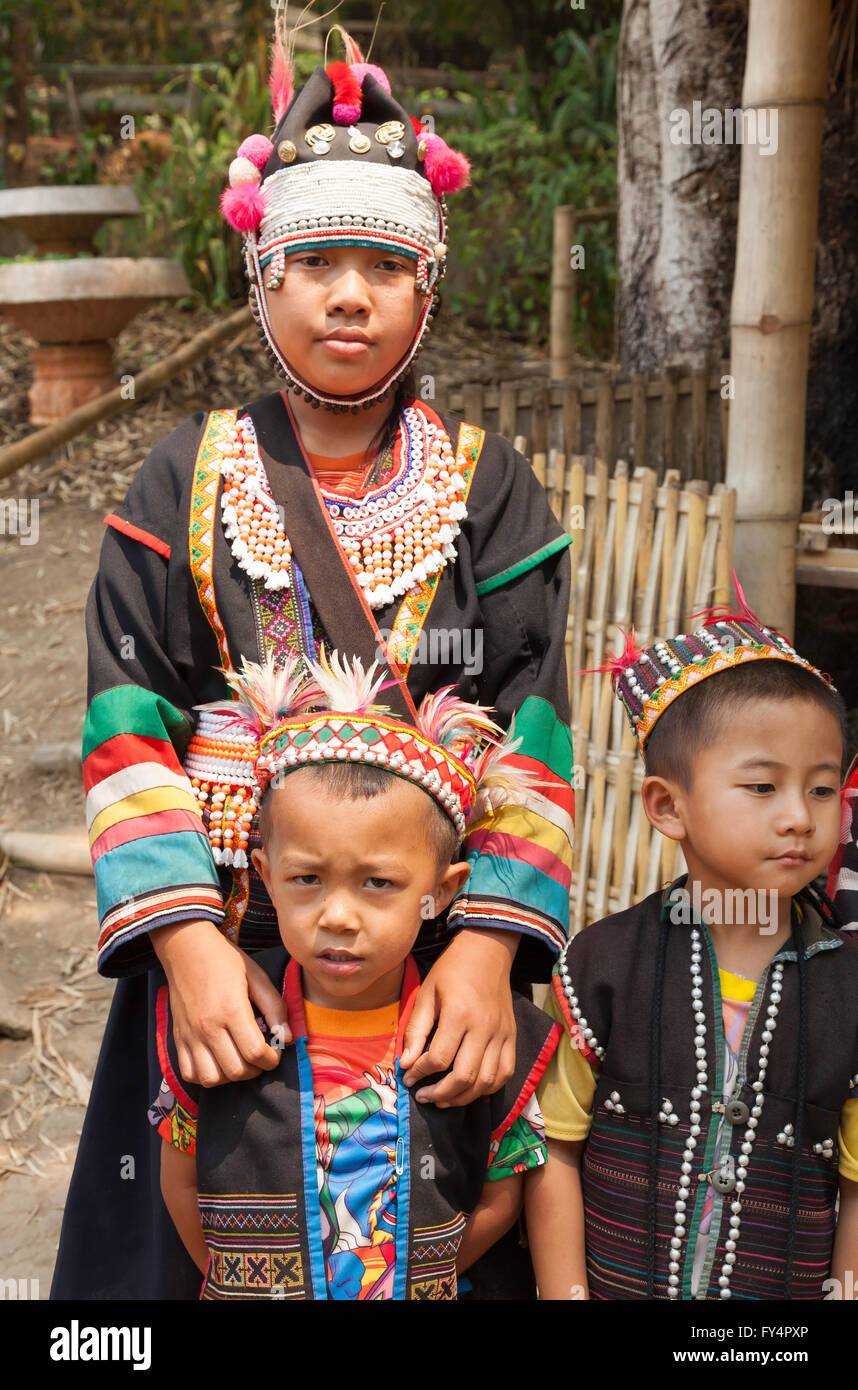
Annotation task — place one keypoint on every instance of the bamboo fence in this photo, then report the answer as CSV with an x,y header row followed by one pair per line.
x,y
644,553
674,419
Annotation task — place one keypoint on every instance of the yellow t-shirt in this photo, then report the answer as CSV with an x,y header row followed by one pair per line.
x,y
566,1091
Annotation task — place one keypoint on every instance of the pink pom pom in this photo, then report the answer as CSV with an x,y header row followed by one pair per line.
x,y
257,148
362,70
243,207
345,115
446,169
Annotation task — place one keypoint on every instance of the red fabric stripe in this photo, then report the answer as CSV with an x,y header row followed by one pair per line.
x,y
137,534
552,787
121,751
534,1077
578,1039
170,1076
506,846
137,827
165,905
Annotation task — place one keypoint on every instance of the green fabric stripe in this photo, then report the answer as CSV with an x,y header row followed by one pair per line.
x,y
544,737
528,563
324,239
129,709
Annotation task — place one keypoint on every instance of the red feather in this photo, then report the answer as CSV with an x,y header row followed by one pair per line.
x,y
616,665
347,93
742,614
281,80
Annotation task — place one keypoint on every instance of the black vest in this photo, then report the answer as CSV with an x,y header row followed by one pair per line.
x,y
611,966
256,1173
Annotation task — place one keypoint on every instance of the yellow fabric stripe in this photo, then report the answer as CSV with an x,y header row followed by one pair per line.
x,y
847,1140
735,988
143,803
528,825
565,1093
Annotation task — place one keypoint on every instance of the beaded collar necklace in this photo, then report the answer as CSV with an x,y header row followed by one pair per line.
x,y
395,537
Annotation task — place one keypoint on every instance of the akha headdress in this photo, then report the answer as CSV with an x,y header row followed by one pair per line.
x,y
326,711
346,165
647,681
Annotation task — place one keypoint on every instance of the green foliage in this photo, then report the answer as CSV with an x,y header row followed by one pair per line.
x,y
180,197
531,149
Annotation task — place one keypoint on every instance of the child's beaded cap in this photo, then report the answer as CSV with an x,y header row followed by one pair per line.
x,y
647,681
308,713
346,165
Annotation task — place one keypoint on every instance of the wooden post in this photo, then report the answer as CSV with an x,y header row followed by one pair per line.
x,y
786,77
563,278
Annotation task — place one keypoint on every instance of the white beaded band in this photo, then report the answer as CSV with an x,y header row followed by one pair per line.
x,y
318,197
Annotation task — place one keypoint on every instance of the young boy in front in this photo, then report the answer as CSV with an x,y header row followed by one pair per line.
x,y
702,1108
325,1178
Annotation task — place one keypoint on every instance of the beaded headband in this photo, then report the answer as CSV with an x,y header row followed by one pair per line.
x,y
647,681
346,166
308,713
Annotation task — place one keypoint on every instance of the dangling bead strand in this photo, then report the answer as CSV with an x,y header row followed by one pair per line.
x,y
750,1133
676,1240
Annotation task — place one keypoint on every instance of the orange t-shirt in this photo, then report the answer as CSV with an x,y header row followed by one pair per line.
x,y
341,474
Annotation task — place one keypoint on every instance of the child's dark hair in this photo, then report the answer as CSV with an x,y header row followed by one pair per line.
x,y
695,720
351,781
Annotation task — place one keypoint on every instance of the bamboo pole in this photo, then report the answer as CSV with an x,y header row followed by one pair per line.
x,y
36,445
563,276
786,74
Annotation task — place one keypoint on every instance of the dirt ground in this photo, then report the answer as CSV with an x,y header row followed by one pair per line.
x,y
47,921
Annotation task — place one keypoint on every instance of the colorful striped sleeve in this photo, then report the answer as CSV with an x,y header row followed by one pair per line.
x,y
521,859
147,668
151,856
521,856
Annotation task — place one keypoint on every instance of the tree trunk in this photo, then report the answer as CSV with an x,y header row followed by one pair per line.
x,y
676,202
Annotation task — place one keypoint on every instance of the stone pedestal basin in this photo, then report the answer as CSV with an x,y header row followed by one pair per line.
x,y
65,220
73,306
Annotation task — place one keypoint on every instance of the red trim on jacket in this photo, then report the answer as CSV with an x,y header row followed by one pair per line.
x,y
137,534
169,1074
534,1077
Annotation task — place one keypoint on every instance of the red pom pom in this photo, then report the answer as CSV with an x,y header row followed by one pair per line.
x,y
418,128
347,93
257,148
446,169
243,207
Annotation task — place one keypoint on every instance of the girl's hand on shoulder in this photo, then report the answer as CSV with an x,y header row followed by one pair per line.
x,y
467,992
213,988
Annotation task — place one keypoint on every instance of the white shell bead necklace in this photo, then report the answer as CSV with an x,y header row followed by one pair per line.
x,y
396,538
